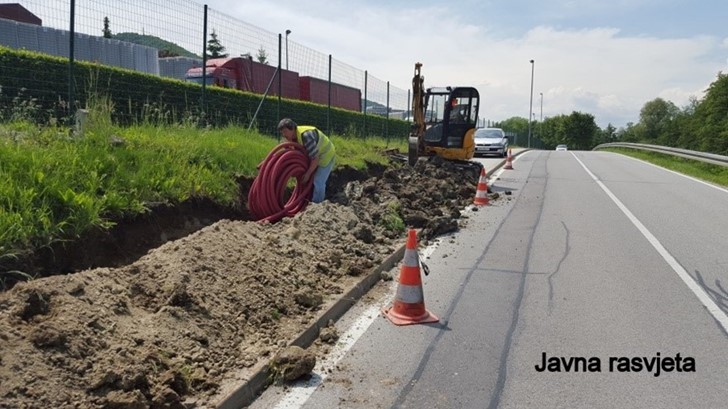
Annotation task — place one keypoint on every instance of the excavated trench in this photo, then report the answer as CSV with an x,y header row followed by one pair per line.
x,y
131,238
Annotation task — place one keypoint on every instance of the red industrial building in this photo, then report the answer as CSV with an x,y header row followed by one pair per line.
x,y
16,12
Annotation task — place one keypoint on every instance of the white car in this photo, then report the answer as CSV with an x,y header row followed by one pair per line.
x,y
562,148
491,141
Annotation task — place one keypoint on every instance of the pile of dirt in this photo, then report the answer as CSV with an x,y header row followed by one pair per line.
x,y
169,329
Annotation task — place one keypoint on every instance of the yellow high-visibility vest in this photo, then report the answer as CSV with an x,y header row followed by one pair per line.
x,y
325,147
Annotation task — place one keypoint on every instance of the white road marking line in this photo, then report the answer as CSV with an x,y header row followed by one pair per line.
x,y
300,392
704,298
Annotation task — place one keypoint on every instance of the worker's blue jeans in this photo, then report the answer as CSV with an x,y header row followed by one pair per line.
x,y
319,182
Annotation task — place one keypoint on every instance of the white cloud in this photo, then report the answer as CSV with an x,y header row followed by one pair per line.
x,y
596,70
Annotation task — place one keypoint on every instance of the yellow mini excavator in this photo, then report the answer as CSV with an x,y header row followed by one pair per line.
x,y
444,121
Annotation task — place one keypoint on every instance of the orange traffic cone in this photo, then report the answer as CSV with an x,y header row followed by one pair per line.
x,y
481,194
409,303
509,161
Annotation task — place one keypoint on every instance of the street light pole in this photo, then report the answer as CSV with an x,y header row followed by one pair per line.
x,y
530,107
287,32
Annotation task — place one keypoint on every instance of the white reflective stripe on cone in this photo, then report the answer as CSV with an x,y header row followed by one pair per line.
x,y
411,259
410,294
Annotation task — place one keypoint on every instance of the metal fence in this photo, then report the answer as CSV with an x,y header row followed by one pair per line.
x,y
182,23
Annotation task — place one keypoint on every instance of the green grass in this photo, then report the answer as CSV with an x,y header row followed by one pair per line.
x,y
392,219
357,152
711,173
56,186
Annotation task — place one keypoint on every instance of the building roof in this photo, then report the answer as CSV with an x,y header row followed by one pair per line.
x,y
16,12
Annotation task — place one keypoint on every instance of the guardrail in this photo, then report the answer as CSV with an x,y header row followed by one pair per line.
x,y
695,155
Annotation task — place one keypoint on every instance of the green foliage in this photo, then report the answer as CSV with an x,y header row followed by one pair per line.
x,y
577,130
54,186
710,122
702,125
214,48
515,125
262,56
142,144
392,219
107,31
138,98
359,152
13,276
656,118
606,135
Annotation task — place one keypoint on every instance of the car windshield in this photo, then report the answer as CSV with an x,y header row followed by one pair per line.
x,y
489,133
561,146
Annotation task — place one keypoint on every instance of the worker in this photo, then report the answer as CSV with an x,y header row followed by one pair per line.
x,y
456,112
320,150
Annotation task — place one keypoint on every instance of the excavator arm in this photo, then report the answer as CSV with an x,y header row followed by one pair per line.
x,y
416,145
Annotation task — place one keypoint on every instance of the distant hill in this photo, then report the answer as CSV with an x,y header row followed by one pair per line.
x,y
166,48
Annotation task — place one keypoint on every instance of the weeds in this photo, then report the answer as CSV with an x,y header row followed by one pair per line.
x,y
391,219
9,277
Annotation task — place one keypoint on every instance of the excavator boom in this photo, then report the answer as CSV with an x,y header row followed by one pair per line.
x,y
416,139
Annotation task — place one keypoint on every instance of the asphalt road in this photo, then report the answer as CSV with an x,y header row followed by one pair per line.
x,y
604,267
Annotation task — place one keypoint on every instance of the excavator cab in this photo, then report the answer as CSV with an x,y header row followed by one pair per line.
x,y
444,121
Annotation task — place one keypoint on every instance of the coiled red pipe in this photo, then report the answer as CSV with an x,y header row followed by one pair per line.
x,y
267,195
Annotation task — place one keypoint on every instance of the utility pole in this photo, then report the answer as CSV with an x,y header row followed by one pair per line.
x,y
530,107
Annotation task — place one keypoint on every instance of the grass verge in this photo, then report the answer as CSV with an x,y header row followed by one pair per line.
x,y
55,185
705,171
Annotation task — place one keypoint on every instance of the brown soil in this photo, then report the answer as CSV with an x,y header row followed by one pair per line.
x,y
170,328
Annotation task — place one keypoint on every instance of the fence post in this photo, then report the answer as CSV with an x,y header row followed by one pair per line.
x,y
280,76
204,67
386,124
71,83
328,110
366,78
409,99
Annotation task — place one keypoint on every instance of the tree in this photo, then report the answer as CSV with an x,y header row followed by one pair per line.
x,y
629,133
581,130
166,54
553,131
656,117
107,30
710,122
214,48
262,56
607,135
515,125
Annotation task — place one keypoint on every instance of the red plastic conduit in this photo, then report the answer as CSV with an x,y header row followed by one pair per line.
x,y
267,194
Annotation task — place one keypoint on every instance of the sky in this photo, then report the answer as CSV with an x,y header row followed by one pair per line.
x,y
605,58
